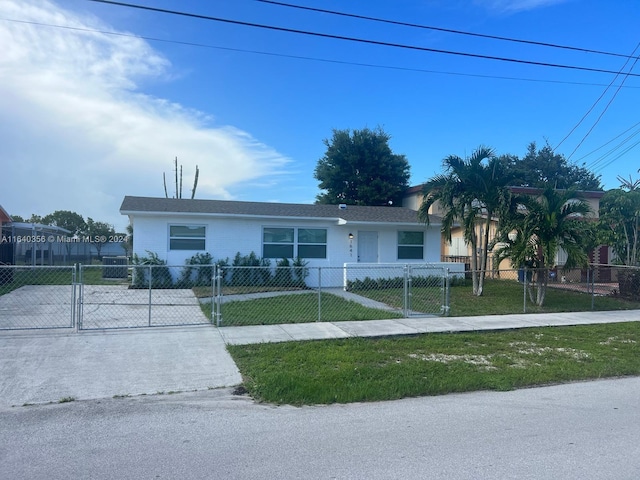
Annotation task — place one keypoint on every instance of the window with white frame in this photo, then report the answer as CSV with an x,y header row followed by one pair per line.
x,y
312,243
187,237
285,242
410,245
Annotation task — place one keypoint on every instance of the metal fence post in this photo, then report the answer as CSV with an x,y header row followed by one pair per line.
x,y
80,297
214,274
447,292
150,275
405,296
524,282
219,279
319,294
593,287
74,306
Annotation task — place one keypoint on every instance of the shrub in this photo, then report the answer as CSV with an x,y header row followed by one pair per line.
x,y
155,267
202,263
250,270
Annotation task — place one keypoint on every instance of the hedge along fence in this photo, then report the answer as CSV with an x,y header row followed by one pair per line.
x,y
249,270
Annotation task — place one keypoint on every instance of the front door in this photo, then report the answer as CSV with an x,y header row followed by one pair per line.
x,y
368,247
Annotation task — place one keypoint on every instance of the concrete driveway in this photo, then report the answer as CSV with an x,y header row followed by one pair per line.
x,y
48,366
103,306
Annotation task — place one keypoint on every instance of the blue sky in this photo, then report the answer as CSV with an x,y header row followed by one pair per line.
x,y
87,118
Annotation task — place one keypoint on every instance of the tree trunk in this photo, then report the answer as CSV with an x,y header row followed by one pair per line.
x,y
542,281
474,262
484,254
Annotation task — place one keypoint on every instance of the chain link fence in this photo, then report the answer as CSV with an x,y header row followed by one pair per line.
x,y
33,298
132,296
596,287
264,295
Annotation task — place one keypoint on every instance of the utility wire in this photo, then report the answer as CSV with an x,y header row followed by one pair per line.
x,y
355,39
597,163
605,144
447,30
598,100
631,147
608,104
300,57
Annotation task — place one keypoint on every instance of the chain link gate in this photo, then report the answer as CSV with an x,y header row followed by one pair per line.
x,y
37,297
142,296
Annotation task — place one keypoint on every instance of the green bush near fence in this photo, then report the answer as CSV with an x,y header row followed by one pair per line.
x,y
418,281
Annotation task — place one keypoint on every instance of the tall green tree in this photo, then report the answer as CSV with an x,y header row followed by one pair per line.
x,y
99,232
359,168
620,221
538,227
470,193
542,167
72,221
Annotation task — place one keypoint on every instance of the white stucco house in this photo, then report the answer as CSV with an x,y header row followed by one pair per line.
x,y
323,235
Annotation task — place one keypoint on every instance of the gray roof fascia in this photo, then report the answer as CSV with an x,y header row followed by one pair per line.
x,y
288,218
225,215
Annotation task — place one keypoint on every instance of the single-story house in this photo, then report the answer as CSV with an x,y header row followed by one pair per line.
x,y
322,235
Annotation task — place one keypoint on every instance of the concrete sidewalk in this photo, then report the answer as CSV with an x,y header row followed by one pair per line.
x,y
415,325
48,366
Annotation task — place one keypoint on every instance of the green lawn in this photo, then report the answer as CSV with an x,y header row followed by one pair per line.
x,y
358,369
499,297
297,308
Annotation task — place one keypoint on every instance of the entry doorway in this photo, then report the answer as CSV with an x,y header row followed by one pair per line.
x,y
368,247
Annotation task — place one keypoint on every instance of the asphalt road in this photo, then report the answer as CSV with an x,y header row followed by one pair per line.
x,y
578,431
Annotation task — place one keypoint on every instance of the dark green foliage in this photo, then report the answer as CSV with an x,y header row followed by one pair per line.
x,y
629,282
198,272
359,168
283,276
369,283
300,270
543,167
471,192
620,223
250,270
151,268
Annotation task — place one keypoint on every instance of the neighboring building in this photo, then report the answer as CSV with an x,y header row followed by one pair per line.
x,y
458,251
323,235
6,248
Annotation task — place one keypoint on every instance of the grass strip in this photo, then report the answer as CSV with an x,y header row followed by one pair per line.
x,y
499,297
298,308
363,370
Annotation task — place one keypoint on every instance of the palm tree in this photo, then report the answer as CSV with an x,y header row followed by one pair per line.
x,y
538,227
470,192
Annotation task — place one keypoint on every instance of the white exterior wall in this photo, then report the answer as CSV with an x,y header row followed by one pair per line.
x,y
227,236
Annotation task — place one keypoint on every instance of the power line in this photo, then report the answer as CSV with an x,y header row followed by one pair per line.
x,y
631,147
598,101
593,164
608,104
446,30
301,57
355,39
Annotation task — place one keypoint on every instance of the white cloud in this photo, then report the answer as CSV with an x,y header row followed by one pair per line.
x,y
512,6
78,135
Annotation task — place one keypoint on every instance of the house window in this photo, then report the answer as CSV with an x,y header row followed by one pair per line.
x,y
187,237
277,242
410,245
312,243
280,242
